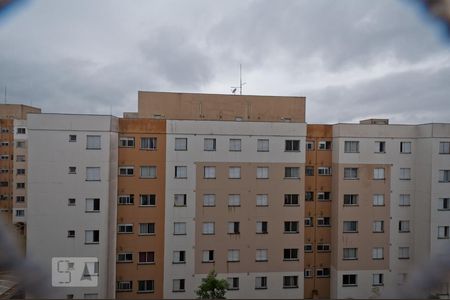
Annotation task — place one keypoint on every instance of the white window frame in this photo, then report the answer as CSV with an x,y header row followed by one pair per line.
x,y
404,226
260,227
93,142
209,144
263,145
261,255
209,200
209,172
403,252
444,147
150,199
179,228
378,174
380,147
234,172
351,146
350,254
207,256
234,200
208,228
378,226
405,174
444,175
93,174
180,172
91,205
180,200
292,172
377,253
443,232
181,144
405,200
324,171
378,199
262,172
126,142
235,145
262,200
377,279
351,173
406,147
149,143
149,172
233,255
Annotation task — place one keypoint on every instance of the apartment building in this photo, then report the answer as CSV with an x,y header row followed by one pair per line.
x,y
13,167
241,185
72,196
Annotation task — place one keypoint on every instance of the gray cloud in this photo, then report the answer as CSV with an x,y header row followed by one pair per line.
x,y
77,56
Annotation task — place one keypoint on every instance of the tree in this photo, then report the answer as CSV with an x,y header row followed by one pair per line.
x,y
212,288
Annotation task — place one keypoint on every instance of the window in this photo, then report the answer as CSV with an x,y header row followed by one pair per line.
x,y
92,173
309,171
3,183
208,228
180,172
147,200
350,254
444,175
92,205
291,227
260,282
444,204
378,200
127,142
20,144
309,222
235,145
291,172
4,143
403,252
93,142
209,172
444,148
91,236
21,130
208,256
309,196
179,228
324,171
308,248
377,279
146,286
349,280
323,248
292,145
263,145
233,283
309,145
5,130
262,172
378,173
233,255
323,196
234,200
261,255
325,221
350,226
443,232
124,257
378,226
178,285
179,257
290,282
324,145
147,257
380,147
148,172
22,199
350,173
148,143
20,213
405,147
234,172
291,200
405,200
126,199
71,233
20,158
403,226
180,200
262,200
123,286
147,228
351,147
72,138
125,228
405,173
20,185
126,171
290,254
323,272
20,171
4,157
4,171
377,253
261,227
209,200
209,144
350,199
233,227
308,273
180,144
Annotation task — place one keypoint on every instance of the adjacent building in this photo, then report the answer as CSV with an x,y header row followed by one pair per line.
x,y
241,185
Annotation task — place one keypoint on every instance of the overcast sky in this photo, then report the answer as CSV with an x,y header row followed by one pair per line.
x,y
351,59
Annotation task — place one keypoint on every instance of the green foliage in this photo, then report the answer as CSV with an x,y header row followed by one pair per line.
x,y
212,288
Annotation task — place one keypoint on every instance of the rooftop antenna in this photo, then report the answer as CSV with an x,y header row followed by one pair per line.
x,y
241,84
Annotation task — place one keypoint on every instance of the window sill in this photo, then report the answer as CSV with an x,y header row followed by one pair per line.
x,y
235,150
262,232
323,276
349,285
262,150
325,251
261,288
234,206
124,232
180,150
208,262
234,177
93,148
205,177
442,181
443,238
177,234
143,177
291,205
148,149
404,205
291,232
291,178
209,206
292,151
408,179
262,178
89,211
261,260
142,205
146,234
378,231
143,292
91,243
145,263
375,205
126,147
173,205
233,261
350,258
443,209
378,152
290,287
323,225
124,262
351,205
404,231
349,178
377,258
380,284
262,205
234,233
350,232
123,291
380,179
180,177
93,180
291,259
405,152
126,175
